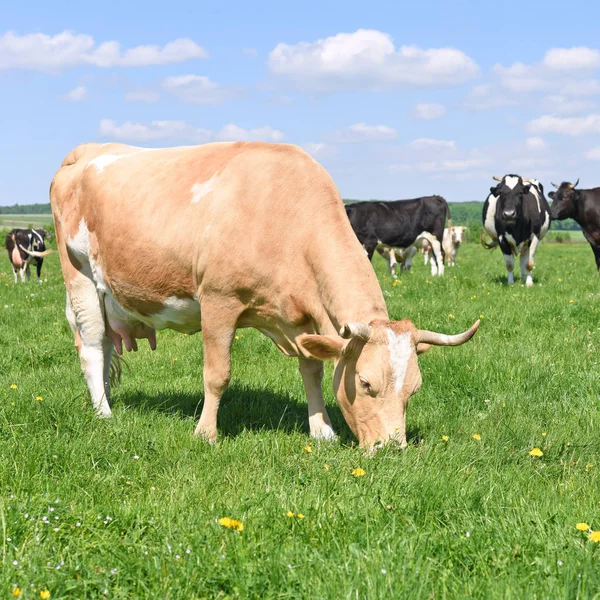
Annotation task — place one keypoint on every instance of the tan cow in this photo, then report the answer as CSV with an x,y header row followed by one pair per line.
x,y
453,237
141,236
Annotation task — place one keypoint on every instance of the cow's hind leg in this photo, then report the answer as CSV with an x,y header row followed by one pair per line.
x,y
437,259
318,419
86,317
219,320
15,273
38,268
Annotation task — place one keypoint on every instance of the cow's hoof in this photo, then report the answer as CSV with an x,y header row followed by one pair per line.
x,y
207,435
325,434
529,283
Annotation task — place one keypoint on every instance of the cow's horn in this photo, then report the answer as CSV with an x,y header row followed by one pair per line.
x,y
35,253
356,330
556,186
574,185
496,178
441,339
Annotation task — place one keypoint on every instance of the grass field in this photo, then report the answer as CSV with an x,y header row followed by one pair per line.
x,y
128,507
24,221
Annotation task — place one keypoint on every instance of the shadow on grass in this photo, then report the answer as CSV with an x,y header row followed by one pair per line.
x,y
242,408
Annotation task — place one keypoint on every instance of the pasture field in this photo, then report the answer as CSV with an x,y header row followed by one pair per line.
x,y
24,221
129,507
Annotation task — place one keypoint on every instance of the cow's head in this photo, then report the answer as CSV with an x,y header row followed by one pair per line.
x,y
510,192
457,235
376,372
563,200
45,235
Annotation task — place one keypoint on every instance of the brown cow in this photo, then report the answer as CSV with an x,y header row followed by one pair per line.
x,y
141,234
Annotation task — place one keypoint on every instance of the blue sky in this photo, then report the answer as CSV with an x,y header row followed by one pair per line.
x,y
395,99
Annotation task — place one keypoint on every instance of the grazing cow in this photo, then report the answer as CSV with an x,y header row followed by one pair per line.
x,y
401,223
581,205
397,256
23,245
451,242
140,234
516,216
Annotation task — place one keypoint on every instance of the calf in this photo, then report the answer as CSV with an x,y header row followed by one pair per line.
x,y
516,216
451,242
24,245
400,224
581,205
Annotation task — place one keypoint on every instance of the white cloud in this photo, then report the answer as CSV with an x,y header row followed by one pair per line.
x,y
199,89
573,126
239,134
487,97
453,165
253,52
593,153
182,131
361,132
429,111
154,131
368,59
41,52
572,58
428,144
320,150
581,87
535,143
568,106
146,96
77,94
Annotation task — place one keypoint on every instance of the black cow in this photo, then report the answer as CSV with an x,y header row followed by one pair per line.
x,y
516,216
581,205
400,224
23,245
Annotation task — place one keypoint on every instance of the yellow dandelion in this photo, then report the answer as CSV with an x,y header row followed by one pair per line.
x,y
481,317
536,452
544,434
14,386
582,526
451,316
589,466
473,297
44,594
477,437
358,472
453,276
300,516
571,301
445,438
326,467
559,279
290,514
594,536
16,592
308,449
39,398
231,523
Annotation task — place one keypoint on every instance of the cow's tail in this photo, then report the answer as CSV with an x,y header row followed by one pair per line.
x,y
116,369
487,245
36,253
448,215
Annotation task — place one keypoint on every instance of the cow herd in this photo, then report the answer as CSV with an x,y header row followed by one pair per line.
x,y
141,232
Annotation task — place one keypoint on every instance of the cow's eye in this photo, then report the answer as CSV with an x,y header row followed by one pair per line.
x,y
365,384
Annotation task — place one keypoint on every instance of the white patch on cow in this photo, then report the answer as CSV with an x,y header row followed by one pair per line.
x,y
511,181
38,235
98,275
400,349
489,223
199,190
511,240
536,192
545,226
80,244
102,161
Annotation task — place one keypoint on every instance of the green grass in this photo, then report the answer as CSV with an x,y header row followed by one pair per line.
x,y
24,221
128,507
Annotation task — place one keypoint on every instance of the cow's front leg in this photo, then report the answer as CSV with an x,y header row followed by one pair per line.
x,y
509,259
318,419
22,273
392,264
530,260
218,331
15,273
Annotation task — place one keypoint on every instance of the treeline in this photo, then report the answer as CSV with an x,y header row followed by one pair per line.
x,y
26,209
463,213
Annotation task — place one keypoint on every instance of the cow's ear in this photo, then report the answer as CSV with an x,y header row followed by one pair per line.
x,y
493,189
321,347
422,348
551,195
526,188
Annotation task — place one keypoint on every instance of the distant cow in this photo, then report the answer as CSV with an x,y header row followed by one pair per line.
x,y
516,216
581,205
140,236
451,243
23,245
401,223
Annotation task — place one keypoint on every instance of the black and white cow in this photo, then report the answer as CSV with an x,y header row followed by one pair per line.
x,y
401,224
581,205
23,245
516,216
